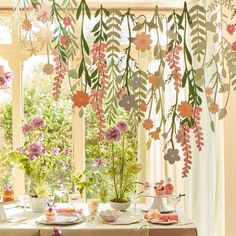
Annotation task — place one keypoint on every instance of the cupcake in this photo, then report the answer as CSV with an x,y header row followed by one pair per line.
x,y
169,188
50,214
159,188
8,193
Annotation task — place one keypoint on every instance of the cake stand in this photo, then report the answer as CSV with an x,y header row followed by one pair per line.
x,y
158,202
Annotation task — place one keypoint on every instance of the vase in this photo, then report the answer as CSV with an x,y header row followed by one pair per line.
x,y
38,204
120,206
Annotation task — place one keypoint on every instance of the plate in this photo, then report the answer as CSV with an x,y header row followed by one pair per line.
x,y
63,219
125,220
161,222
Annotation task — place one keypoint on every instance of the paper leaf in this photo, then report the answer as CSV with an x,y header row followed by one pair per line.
x,y
212,126
222,113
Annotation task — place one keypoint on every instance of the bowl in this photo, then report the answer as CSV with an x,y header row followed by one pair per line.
x,y
109,215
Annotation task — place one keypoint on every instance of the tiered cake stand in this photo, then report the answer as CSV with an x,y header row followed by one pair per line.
x,y
158,202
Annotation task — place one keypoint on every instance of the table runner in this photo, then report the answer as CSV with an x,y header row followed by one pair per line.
x,y
28,227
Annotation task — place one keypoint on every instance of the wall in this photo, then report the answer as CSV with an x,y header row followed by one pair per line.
x,y
230,167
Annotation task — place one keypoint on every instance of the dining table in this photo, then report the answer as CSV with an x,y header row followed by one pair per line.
x,y
22,221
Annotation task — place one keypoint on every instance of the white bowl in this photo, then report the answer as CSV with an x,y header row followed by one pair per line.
x,y
109,215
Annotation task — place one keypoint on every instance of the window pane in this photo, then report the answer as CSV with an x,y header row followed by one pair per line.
x,y
6,30
56,136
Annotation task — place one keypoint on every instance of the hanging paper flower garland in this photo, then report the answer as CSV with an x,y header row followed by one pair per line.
x,y
107,76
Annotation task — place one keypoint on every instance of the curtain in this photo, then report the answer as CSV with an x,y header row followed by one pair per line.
x,y
204,187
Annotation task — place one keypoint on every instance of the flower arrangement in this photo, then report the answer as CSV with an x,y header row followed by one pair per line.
x,y
35,158
123,168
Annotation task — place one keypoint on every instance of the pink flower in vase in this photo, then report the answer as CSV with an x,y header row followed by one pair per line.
x,y
38,122
35,150
122,126
27,129
56,151
112,134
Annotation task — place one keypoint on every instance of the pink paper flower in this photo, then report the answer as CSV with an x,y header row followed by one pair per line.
x,y
35,150
230,28
38,122
67,21
122,126
27,129
234,46
112,134
43,13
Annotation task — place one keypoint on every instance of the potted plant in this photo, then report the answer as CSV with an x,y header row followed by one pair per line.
x,y
124,167
36,160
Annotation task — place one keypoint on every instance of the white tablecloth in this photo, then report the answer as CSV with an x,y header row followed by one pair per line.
x,y
29,227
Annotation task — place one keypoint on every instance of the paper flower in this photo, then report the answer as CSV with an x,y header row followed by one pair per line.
x,y
185,109
214,108
44,36
142,107
128,102
208,91
147,186
122,126
43,13
35,150
113,134
143,42
155,134
148,124
64,40
67,21
234,46
230,28
48,69
80,99
27,129
136,83
172,155
26,25
155,81
38,122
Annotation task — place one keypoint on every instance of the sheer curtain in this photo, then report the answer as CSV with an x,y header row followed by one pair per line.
x,y
204,187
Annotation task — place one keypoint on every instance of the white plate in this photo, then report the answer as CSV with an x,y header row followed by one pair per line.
x,y
161,222
63,219
125,220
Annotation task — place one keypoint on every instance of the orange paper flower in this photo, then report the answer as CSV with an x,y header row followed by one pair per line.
x,y
185,109
208,91
214,108
26,25
48,69
155,134
147,124
143,42
158,82
80,99
142,107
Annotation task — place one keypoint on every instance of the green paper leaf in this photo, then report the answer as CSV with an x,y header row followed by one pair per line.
x,y
222,113
138,27
97,12
87,11
81,68
210,26
73,74
78,11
